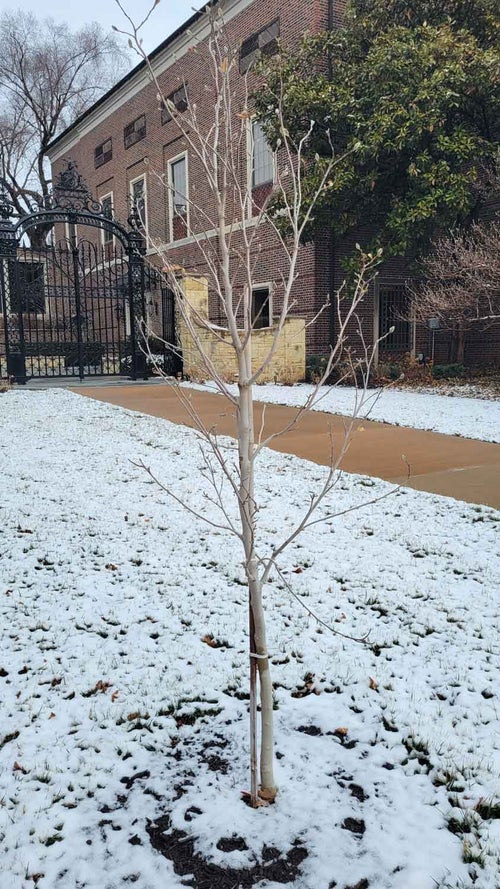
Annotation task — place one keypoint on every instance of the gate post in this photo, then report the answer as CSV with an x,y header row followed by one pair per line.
x,y
13,334
137,307
78,305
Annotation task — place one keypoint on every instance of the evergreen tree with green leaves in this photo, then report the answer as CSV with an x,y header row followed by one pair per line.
x,y
407,94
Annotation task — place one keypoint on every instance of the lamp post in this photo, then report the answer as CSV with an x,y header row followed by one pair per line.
x,y
433,325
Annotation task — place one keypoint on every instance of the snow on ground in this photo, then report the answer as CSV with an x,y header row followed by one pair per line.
x,y
115,711
468,417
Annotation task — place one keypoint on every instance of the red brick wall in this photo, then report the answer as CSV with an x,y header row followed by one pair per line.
x,y
162,143
319,270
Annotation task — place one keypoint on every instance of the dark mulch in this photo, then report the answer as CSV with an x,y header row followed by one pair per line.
x,y
232,844
313,730
355,825
358,792
178,847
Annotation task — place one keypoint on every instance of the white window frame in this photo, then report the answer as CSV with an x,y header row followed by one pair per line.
x,y
250,166
270,181
109,194
67,233
170,181
141,178
265,285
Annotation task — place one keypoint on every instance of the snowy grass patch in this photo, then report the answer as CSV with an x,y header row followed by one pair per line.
x,y
123,669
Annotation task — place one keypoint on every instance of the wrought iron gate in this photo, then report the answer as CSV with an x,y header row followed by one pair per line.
x,y
172,355
74,307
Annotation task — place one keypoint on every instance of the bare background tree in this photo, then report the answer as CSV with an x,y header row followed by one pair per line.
x,y
461,284
49,75
229,232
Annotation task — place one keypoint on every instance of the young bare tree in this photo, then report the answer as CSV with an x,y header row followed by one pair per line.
x,y
229,231
49,75
461,283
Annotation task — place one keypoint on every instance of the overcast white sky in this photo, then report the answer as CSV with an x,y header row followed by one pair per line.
x,y
167,16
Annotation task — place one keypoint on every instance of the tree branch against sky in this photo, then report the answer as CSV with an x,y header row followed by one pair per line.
x,y
49,75
168,17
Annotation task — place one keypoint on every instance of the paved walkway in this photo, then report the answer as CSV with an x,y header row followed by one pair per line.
x,y
443,464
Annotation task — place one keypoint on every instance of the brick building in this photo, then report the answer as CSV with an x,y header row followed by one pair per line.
x,y
128,148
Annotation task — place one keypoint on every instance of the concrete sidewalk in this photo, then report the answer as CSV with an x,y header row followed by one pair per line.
x,y
442,464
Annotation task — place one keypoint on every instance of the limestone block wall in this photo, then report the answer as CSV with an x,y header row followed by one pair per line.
x,y
289,361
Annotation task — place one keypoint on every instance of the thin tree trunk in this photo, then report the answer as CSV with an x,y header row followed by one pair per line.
x,y
254,781
460,345
258,645
457,345
267,783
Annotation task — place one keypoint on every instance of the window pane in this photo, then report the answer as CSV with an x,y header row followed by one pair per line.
x,y
393,313
138,199
260,307
263,41
179,186
263,164
107,210
134,131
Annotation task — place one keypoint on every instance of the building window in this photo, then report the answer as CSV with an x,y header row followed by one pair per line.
x,y
261,306
179,100
394,304
103,153
139,201
107,210
134,131
262,157
178,183
71,234
262,42
27,287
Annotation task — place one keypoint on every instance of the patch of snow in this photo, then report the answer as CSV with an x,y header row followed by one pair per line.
x,y
115,711
450,415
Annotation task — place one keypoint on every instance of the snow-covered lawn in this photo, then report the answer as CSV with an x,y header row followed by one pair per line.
x,y
115,710
452,415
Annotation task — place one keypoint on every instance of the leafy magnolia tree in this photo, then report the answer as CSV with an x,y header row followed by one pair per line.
x,y
49,75
416,86
229,230
461,283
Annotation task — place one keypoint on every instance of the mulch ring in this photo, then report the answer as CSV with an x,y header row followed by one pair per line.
x,y
178,847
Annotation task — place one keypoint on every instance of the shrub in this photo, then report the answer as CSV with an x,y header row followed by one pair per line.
x,y
343,372
447,371
315,367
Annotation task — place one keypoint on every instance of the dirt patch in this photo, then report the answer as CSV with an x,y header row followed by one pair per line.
x,y
358,792
232,844
178,847
312,730
355,825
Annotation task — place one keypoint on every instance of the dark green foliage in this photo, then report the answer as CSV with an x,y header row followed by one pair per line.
x,y
447,371
408,94
315,367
